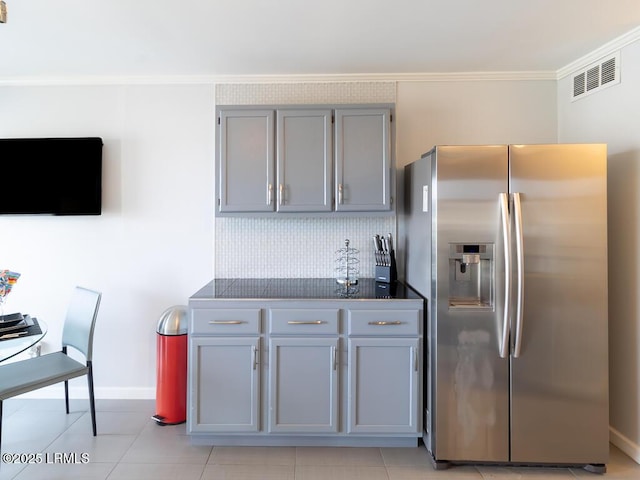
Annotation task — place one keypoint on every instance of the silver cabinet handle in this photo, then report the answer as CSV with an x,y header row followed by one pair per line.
x,y
281,194
225,322
269,194
305,322
506,240
254,352
396,322
334,353
415,359
340,193
520,269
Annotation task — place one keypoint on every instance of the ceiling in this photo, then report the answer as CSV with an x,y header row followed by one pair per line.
x,y
70,38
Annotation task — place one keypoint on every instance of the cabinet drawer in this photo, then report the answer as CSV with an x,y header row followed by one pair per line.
x,y
225,321
381,322
304,322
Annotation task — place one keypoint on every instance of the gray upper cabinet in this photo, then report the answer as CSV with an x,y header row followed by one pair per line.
x,y
363,159
304,160
246,161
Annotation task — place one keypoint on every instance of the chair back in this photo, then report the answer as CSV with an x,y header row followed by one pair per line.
x,y
81,320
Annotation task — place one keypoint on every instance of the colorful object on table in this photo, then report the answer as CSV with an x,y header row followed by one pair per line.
x,y
7,280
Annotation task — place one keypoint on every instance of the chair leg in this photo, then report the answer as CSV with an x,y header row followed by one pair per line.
x,y
66,395
92,402
66,386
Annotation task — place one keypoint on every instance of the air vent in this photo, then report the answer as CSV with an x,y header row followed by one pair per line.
x,y
595,77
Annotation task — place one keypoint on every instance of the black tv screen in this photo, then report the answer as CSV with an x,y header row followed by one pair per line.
x,y
55,176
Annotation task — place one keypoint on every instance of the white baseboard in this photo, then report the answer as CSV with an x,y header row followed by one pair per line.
x,y
104,393
626,445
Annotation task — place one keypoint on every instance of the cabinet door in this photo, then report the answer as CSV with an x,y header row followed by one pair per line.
x,y
304,160
246,161
383,385
303,384
363,159
224,384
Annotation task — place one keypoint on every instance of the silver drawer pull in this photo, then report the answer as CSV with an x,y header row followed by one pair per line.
x,y
334,354
310,322
225,322
255,352
386,323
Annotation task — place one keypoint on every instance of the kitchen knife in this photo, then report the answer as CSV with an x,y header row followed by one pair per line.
x,y
375,249
379,248
385,251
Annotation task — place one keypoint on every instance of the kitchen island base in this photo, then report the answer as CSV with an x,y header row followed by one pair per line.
x,y
289,363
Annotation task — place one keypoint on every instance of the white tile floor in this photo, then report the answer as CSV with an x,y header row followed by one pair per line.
x,y
130,445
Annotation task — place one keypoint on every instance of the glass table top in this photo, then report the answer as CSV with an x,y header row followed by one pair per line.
x,y
17,341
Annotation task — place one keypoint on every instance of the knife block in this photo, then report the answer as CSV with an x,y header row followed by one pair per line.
x,y
387,273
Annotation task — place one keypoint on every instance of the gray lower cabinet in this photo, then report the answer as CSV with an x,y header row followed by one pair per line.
x,y
303,370
305,373
383,385
224,370
384,359
303,385
225,378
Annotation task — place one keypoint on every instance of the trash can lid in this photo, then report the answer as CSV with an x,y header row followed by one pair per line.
x,y
173,321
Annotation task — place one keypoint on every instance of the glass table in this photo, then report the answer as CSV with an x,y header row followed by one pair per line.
x,y
11,344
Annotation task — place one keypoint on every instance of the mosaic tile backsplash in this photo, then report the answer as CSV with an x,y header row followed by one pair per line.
x,y
296,247
305,93
293,248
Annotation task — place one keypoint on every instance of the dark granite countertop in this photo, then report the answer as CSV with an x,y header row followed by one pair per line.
x,y
301,289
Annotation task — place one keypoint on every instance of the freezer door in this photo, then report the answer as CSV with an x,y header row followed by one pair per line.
x,y
471,407
559,381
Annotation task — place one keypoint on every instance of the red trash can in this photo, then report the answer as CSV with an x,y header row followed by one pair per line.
x,y
171,385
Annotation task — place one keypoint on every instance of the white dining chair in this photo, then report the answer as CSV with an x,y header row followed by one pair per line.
x,y
38,372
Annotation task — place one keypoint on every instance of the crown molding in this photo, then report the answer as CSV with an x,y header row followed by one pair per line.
x,y
606,49
250,79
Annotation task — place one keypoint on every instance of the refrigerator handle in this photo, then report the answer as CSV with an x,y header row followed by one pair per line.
x,y
506,240
517,207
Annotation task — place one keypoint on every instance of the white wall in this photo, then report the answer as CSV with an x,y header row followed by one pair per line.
x,y
473,112
153,245
612,116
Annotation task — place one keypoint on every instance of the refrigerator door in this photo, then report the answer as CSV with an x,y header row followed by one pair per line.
x,y
559,380
470,418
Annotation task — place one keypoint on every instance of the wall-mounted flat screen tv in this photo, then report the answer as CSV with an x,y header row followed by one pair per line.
x,y
54,176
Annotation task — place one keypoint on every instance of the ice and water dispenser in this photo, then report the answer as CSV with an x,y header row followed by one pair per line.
x,y
471,275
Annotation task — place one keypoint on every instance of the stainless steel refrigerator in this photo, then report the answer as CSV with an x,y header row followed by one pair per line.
x,y
509,245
